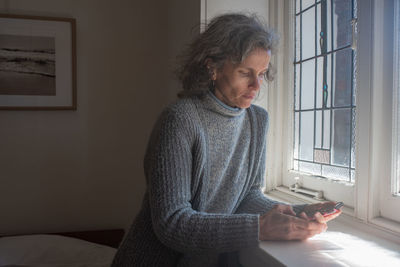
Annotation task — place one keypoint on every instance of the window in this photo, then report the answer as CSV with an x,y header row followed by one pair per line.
x,y
324,90
389,192
335,119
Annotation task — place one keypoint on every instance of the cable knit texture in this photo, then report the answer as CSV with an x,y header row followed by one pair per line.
x,y
204,166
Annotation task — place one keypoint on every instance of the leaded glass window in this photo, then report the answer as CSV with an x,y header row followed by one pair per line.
x,y
325,88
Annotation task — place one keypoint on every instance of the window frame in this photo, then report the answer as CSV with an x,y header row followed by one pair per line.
x,y
386,38
280,105
367,199
396,101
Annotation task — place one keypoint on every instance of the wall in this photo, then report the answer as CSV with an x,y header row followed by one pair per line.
x,y
78,170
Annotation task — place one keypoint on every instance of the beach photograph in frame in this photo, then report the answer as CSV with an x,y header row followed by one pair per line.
x,y
37,63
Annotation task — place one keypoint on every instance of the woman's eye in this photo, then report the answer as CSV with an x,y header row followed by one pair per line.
x,y
245,74
261,76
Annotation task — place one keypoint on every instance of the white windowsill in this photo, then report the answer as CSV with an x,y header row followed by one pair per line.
x,y
347,242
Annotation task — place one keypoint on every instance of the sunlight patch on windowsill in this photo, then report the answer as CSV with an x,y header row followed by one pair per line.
x,y
350,250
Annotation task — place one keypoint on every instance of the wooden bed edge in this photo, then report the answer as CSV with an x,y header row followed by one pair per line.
x,y
111,237
107,237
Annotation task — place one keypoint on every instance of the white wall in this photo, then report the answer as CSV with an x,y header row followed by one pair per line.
x,y
211,8
77,170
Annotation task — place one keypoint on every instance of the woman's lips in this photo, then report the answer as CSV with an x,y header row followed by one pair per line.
x,y
249,96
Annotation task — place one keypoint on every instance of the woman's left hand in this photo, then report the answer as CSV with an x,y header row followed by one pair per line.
x,y
312,212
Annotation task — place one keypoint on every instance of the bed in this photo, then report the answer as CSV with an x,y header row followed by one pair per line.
x,y
72,249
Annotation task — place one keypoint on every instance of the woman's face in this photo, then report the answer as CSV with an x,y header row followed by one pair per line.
x,y
237,84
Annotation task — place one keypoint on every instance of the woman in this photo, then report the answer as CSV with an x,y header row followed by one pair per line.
x,y
205,160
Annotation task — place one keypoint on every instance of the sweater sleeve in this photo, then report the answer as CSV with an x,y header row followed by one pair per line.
x,y
255,202
176,224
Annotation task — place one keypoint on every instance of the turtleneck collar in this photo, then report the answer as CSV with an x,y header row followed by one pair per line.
x,y
220,107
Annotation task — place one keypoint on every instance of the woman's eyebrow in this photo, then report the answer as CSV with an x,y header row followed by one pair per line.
x,y
251,69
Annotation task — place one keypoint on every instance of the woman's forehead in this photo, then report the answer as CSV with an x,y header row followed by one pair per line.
x,y
258,58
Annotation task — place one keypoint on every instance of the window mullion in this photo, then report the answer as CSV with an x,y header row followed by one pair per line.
x,y
363,130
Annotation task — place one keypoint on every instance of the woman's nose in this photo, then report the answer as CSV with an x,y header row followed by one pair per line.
x,y
256,83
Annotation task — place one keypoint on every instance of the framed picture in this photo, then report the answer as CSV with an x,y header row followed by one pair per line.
x,y
37,63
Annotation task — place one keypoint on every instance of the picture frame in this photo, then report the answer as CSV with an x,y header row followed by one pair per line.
x,y
37,63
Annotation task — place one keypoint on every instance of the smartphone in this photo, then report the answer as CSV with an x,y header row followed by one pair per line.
x,y
325,211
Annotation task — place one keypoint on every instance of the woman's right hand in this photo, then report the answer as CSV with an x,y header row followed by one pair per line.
x,y
281,223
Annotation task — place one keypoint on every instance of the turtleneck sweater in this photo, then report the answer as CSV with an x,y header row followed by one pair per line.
x,y
204,168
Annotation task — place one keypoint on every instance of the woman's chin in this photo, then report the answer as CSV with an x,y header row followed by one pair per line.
x,y
245,104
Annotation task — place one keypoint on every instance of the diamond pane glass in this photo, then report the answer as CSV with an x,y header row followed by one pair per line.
x,y
337,173
313,168
322,156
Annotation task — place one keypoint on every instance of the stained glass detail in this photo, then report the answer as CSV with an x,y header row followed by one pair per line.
x,y
324,92
322,156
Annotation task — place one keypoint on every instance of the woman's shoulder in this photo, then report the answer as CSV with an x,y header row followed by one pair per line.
x,y
186,104
259,112
182,112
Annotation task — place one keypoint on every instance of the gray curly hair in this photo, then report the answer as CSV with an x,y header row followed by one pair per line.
x,y
227,37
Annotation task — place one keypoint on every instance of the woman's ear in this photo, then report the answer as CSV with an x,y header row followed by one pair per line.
x,y
212,70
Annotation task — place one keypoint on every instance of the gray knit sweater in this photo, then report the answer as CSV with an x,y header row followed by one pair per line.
x,y
204,167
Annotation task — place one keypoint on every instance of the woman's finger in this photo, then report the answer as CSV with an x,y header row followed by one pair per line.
x,y
303,215
319,218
